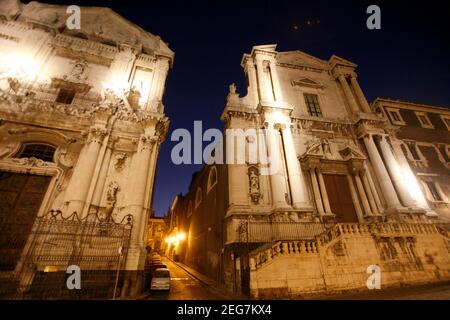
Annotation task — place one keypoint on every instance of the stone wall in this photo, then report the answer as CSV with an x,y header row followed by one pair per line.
x,y
338,260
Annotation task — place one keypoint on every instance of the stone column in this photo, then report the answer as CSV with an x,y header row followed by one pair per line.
x,y
296,180
275,82
316,191
100,185
361,98
362,194
355,198
369,193
374,190
80,181
265,93
277,179
323,190
158,84
138,176
348,94
395,173
383,176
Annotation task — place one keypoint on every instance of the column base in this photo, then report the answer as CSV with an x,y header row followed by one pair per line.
x,y
328,218
377,218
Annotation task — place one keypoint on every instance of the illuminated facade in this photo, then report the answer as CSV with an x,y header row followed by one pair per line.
x,y
81,123
342,199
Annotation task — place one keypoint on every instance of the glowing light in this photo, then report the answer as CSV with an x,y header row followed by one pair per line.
x,y
180,236
413,187
19,65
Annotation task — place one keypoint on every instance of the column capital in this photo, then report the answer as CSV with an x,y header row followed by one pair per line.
x,y
97,134
279,126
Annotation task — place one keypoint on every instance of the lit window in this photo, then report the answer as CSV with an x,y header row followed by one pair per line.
x,y
44,152
424,120
65,96
312,103
433,190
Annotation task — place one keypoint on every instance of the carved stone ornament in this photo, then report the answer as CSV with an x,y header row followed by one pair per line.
x,y
113,189
119,160
97,134
254,186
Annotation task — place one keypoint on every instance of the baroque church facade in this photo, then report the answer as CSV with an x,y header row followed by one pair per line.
x,y
81,124
347,196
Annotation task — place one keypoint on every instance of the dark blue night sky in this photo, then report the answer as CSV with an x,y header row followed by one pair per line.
x,y
407,59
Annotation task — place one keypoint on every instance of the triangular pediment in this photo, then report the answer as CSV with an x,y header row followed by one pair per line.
x,y
350,152
299,58
335,61
306,82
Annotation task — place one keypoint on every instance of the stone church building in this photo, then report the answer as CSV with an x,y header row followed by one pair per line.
x,y
359,185
81,124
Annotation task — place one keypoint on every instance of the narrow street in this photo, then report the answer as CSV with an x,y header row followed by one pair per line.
x,y
184,287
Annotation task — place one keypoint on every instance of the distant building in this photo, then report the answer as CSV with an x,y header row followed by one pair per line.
x,y
423,142
81,123
342,199
155,233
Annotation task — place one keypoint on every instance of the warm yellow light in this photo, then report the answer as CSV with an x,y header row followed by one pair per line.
x,y
19,65
176,238
181,236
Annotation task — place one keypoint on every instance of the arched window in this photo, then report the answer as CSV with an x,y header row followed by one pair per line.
x,y
198,197
41,151
212,178
189,211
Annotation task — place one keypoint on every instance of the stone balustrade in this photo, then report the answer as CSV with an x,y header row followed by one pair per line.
x,y
260,257
265,254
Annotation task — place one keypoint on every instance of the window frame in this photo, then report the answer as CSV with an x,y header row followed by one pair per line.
x,y
210,184
198,197
396,111
317,105
65,100
446,121
420,114
20,153
434,192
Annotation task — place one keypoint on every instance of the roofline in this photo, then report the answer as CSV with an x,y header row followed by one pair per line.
x,y
415,104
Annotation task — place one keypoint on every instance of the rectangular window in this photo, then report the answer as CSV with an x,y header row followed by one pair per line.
x,y
312,103
424,120
446,121
433,190
413,150
65,96
395,116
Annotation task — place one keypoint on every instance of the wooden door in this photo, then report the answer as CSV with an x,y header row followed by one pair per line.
x,y
21,196
340,198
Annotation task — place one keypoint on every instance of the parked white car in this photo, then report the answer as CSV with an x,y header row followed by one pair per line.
x,y
160,279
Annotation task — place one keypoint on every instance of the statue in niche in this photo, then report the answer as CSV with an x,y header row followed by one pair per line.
x,y
77,73
111,195
120,160
253,176
326,148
